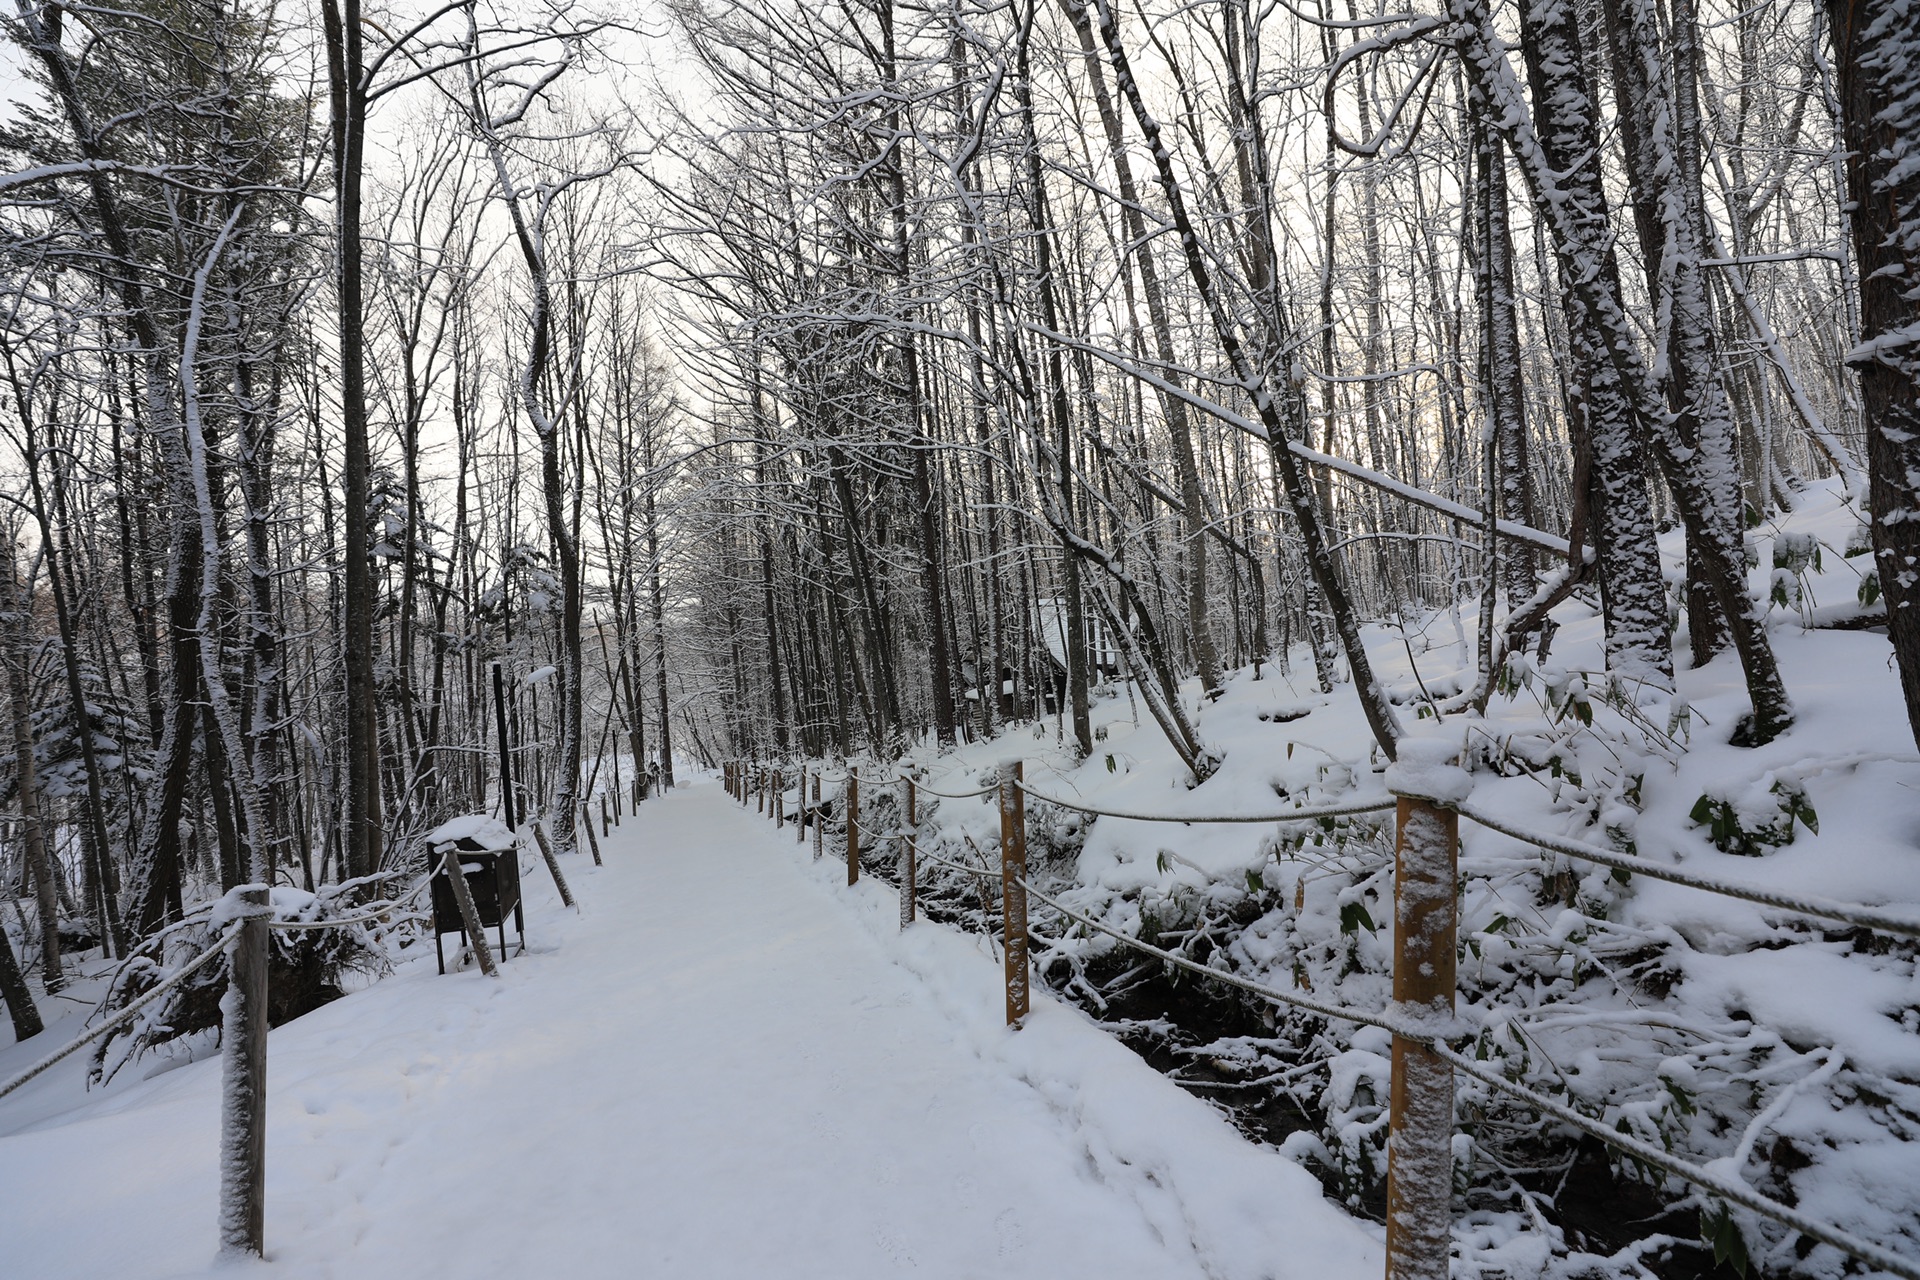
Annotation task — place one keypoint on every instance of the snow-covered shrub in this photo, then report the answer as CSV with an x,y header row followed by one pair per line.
x,y
306,968
1751,819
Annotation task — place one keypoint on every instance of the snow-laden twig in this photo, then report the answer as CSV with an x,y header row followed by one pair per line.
x,y
1659,1158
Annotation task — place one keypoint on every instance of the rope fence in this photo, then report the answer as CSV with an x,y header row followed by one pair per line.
x,y
1805,904
123,1017
1307,814
244,1020
1420,1018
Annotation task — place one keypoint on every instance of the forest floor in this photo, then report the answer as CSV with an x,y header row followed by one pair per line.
x,y
726,1064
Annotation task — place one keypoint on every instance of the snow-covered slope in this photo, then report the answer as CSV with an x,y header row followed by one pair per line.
x,y
1785,1048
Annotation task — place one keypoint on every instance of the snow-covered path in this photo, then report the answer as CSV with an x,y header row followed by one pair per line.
x,y
726,1065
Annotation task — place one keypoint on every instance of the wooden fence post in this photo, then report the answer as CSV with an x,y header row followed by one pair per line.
x,y
1013,894
779,799
243,1071
853,824
469,913
593,843
606,815
800,808
553,866
819,836
1425,922
908,887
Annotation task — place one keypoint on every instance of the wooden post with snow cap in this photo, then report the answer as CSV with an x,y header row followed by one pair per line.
x,y
800,808
853,824
1013,893
819,835
779,799
910,854
1425,923
243,1075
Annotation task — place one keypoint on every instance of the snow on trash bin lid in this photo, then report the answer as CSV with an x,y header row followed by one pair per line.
x,y
483,833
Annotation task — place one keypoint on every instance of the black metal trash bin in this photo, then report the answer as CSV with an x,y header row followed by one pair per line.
x,y
493,878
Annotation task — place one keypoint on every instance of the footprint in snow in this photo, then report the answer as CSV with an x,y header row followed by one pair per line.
x,y
894,1247
1012,1235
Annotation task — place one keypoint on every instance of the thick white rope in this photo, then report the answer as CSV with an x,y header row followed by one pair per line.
x,y
925,790
1802,903
1379,805
123,1017
1311,1005
958,866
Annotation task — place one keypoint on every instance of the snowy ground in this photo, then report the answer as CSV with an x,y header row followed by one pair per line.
x,y
727,1064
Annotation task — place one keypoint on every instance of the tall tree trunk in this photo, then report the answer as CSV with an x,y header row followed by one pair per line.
x,y
1659,118
347,97
1877,47
18,656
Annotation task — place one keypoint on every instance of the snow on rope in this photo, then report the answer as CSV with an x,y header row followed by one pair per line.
x,y
926,790
1806,904
960,866
1307,814
124,1016
1399,1027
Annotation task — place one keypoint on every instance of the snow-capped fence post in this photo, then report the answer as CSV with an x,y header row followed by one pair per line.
x,y
819,836
779,799
1013,892
553,863
909,856
800,808
760,801
243,1072
1425,922
853,824
593,841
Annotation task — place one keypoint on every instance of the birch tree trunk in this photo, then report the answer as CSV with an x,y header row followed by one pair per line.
x,y
1877,47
